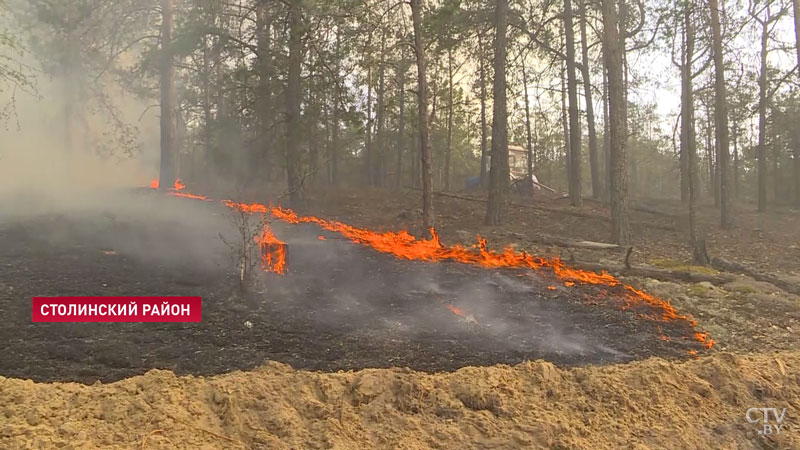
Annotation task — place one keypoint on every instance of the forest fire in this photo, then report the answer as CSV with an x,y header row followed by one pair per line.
x,y
273,251
403,245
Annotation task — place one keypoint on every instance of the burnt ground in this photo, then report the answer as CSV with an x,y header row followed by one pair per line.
x,y
341,306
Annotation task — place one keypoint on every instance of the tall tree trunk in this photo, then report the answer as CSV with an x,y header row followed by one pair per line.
x,y
594,158
368,131
735,159
167,85
294,131
613,48
796,7
606,138
333,152
565,124
380,151
401,122
761,154
449,147
264,106
688,143
575,194
721,119
424,138
528,135
484,131
499,172
687,103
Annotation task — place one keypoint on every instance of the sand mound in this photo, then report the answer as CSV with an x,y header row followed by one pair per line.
x,y
648,404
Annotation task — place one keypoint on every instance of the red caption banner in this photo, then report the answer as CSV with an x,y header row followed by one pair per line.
x,y
117,309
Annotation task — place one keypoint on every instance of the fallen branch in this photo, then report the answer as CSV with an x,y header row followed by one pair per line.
x,y
760,275
566,242
658,274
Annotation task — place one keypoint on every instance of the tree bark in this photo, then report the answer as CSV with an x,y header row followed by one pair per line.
x,y
528,134
594,159
422,95
293,99
401,122
368,131
449,147
721,119
575,194
264,105
499,172
606,138
688,136
796,11
167,86
380,138
618,129
761,154
484,131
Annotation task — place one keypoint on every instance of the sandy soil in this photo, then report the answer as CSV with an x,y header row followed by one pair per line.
x,y
649,404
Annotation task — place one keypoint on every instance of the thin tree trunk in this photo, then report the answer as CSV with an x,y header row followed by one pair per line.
x,y
761,154
606,137
484,131
594,157
565,124
167,85
529,140
293,99
449,147
422,95
796,12
617,110
333,152
380,164
575,194
368,131
401,125
721,119
687,109
735,159
499,172
264,89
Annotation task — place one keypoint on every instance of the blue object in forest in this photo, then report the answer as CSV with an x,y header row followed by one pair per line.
x,y
473,183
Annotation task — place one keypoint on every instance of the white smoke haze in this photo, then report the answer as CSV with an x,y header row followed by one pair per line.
x,y
106,197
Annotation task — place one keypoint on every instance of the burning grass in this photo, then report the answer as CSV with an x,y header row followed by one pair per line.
x,y
403,245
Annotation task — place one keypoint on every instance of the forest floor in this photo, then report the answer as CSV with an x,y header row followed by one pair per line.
x,y
616,384
742,315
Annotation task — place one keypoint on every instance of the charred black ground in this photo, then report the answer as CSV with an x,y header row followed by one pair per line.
x,y
341,306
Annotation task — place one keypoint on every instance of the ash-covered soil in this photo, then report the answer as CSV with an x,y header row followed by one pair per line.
x,y
341,305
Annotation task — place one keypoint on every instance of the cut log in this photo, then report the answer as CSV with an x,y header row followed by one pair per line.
x,y
760,275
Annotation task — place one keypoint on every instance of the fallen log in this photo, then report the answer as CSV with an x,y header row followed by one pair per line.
x,y
658,274
759,275
566,242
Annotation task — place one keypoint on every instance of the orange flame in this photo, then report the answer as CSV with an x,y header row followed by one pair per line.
x,y
179,184
273,252
455,310
188,195
154,183
403,245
